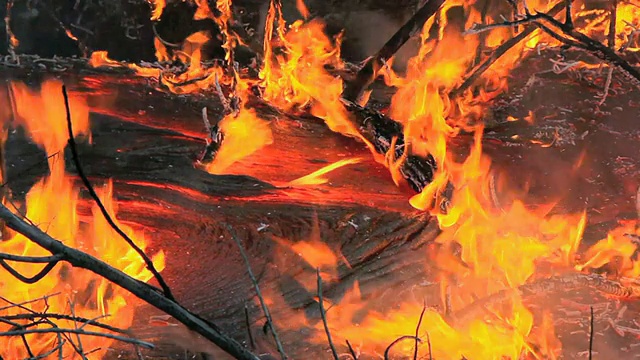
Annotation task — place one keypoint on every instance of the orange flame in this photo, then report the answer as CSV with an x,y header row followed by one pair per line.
x,y
484,247
315,178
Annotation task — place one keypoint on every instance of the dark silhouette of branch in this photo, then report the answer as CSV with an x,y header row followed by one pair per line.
x,y
103,210
369,71
78,332
591,334
252,341
263,304
29,280
323,314
351,351
496,53
415,348
396,341
40,316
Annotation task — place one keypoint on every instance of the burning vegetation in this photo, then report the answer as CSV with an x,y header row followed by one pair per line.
x,y
69,288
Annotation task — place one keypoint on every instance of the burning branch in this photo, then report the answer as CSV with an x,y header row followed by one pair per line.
x,y
496,53
162,300
567,34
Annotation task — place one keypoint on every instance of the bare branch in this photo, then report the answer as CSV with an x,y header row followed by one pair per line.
x,y
324,317
79,332
29,280
396,341
105,213
263,304
31,259
415,347
351,351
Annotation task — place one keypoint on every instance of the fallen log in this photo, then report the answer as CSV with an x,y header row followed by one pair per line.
x,y
380,130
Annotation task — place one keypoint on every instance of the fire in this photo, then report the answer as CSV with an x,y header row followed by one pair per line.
x,y
43,114
316,178
54,205
245,133
158,8
485,247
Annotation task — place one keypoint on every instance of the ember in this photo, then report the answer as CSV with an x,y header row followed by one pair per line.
x,y
485,260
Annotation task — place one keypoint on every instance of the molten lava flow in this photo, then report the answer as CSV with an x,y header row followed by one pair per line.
x,y
52,204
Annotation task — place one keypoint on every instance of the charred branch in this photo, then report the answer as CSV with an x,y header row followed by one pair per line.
x,y
324,317
51,262
103,210
369,72
381,131
497,53
566,33
387,351
351,351
263,303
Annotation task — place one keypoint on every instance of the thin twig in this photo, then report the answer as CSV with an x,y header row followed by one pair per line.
x,y
75,325
351,351
591,334
496,54
263,304
324,316
252,341
27,302
79,332
84,321
29,280
415,347
105,213
31,259
396,341
611,38
611,41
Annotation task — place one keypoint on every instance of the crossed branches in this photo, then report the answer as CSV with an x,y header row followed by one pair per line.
x,y
566,33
